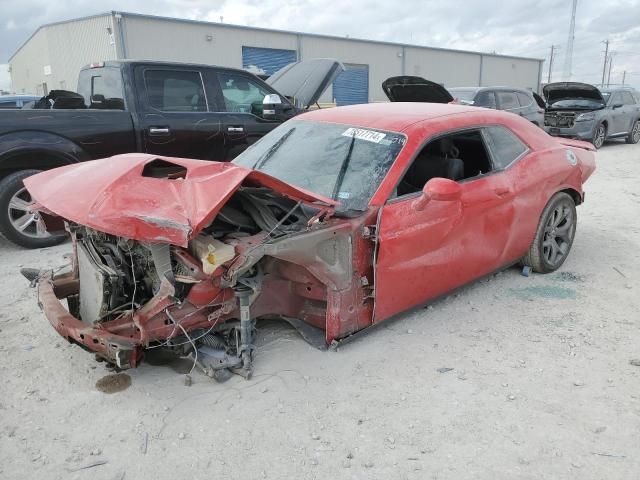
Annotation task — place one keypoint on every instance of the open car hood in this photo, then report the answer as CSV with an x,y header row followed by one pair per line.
x,y
415,89
554,92
305,81
149,198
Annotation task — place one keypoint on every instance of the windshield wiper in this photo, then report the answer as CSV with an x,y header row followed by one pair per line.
x,y
343,167
269,153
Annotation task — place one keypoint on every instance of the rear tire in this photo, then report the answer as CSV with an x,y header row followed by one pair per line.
x,y
599,136
554,236
18,225
634,134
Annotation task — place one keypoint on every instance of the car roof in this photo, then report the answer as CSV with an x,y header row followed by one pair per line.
x,y
390,116
478,89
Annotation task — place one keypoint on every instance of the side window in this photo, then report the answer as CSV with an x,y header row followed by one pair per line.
x,y
628,99
241,94
175,90
507,100
106,90
505,146
616,99
524,99
485,99
457,156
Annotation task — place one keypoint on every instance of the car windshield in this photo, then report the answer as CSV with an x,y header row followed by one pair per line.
x,y
579,103
338,161
463,94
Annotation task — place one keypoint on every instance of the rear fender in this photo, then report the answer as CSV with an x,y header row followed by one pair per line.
x,y
39,150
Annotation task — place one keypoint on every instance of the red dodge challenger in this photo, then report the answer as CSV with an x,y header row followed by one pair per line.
x,y
336,220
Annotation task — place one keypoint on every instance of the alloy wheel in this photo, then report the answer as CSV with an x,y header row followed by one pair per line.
x,y
558,234
635,133
22,219
598,140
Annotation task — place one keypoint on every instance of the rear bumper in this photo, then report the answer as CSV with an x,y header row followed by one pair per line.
x,y
120,351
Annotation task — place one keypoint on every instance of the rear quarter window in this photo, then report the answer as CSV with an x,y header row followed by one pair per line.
x,y
524,99
505,146
507,100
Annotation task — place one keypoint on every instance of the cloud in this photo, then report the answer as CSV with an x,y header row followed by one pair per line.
x,y
519,27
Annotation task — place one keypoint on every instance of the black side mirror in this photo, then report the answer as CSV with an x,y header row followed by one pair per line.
x,y
617,105
272,106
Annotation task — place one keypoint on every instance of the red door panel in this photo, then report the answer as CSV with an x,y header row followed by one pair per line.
x,y
424,254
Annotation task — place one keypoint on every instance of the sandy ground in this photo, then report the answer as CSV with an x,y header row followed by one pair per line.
x,y
540,387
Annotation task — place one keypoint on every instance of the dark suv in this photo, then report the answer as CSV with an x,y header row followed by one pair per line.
x,y
525,103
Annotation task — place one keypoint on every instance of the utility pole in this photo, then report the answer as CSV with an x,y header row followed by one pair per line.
x,y
624,76
568,57
606,57
553,49
610,64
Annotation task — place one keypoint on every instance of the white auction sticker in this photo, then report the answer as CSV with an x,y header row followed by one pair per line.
x,y
362,134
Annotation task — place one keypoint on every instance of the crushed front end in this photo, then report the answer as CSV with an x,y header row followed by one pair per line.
x,y
264,255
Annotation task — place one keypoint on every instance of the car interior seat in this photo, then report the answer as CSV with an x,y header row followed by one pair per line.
x,y
440,159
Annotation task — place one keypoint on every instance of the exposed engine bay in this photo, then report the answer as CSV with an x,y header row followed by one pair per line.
x,y
264,255
560,119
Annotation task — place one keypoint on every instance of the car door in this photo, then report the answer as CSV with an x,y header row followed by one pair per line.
x,y
617,114
176,118
425,253
241,97
631,110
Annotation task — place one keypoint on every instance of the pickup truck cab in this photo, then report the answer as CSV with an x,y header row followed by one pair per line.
x,y
168,109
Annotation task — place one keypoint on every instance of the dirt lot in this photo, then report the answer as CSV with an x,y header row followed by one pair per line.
x,y
540,384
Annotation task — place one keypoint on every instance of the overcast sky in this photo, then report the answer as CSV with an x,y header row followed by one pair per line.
x,y
519,27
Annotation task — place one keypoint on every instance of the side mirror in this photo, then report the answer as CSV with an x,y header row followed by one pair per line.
x,y
271,106
617,105
440,190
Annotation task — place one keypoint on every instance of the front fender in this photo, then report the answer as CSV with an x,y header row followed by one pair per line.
x,y
33,142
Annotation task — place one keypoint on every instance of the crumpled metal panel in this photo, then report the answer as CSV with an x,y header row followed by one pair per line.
x,y
111,195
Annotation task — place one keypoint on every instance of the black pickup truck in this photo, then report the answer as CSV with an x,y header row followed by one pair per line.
x,y
170,109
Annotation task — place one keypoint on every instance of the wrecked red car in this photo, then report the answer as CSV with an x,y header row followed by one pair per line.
x,y
337,220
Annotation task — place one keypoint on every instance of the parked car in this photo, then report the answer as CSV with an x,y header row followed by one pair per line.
x,y
172,109
16,101
407,88
337,220
522,102
582,111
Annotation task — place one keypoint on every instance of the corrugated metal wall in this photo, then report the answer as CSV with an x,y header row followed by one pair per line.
x,y
68,46
64,48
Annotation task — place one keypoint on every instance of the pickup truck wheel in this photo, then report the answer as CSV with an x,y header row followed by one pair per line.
x,y
634,135
599,135
17,223
554,237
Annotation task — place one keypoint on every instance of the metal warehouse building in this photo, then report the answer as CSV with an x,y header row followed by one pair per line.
x,y
52,57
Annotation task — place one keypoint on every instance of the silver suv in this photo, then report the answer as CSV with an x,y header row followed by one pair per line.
x,y
582,111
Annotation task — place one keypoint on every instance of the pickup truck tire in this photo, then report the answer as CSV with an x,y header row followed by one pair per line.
x,y
634,134
554,236
18,225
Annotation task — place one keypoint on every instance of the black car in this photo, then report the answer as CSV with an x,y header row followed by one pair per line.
x,y
522,102
170,109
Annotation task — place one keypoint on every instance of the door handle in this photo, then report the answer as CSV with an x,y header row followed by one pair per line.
x,y
235,129
158,130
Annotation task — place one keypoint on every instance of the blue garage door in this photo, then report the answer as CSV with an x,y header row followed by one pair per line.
x,y
352,85
266,61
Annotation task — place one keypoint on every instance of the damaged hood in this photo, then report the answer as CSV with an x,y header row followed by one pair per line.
x,y
415,89
305,81
149,198
554,92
